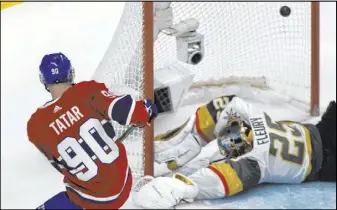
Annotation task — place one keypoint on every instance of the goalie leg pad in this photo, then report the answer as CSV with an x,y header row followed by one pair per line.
x,y
164,192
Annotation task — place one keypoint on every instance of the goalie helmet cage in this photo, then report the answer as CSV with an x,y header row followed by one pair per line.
x,y
254,40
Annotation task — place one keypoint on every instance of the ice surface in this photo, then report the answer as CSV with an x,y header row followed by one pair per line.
x,y
30,30
298,196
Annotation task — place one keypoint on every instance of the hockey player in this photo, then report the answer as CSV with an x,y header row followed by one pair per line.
x,y
73,131
254,149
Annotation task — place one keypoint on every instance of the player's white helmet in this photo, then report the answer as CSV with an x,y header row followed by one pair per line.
x,y
232,139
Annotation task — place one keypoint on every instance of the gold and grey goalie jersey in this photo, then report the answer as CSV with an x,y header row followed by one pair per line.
x,y
282,153
281,149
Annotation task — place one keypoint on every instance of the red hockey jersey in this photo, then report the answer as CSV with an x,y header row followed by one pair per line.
x,y
75,134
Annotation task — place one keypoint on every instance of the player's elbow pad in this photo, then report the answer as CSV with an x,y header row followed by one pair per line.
x,y
123,109
127,111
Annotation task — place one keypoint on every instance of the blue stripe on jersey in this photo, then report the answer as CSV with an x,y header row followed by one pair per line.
x,y
98,138
121,109
87,149
108,128
70,152
65,165
55,165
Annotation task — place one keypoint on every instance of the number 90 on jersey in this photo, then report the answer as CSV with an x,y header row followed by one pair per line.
x,y
79,155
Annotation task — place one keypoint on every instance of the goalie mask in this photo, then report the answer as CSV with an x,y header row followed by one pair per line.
x,y
232,139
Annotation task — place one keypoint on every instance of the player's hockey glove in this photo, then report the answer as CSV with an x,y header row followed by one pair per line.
x,y
163,192
151,108
144,113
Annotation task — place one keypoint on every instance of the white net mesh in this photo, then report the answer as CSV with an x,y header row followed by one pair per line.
x,y
242,40
121,69
247,39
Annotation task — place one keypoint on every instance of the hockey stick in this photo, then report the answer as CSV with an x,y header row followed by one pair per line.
x,y
126,133
129,130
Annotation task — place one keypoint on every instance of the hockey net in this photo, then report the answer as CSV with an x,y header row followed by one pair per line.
x,y
127,68
251,43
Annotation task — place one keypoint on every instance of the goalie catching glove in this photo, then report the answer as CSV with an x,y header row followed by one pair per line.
x,y
163,192
179,146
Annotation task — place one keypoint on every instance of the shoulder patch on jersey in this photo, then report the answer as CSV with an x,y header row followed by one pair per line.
x,y
108,94
89,88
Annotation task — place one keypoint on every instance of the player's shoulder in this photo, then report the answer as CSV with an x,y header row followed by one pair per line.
x,y
30,121
34,118
32,124
90,85
86,89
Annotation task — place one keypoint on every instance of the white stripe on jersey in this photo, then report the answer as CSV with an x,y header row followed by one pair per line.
x,y
112,105
101,199
132,109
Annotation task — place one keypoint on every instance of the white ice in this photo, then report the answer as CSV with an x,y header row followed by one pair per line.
x,y
83,31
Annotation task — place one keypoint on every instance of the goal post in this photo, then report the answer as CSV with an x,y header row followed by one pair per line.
x,y
271,45
315,49
148,72
127,68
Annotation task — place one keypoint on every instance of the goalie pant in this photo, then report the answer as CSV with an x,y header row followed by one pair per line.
x,y
227,178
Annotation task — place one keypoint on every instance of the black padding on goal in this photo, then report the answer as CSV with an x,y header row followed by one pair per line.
x,y
163,100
